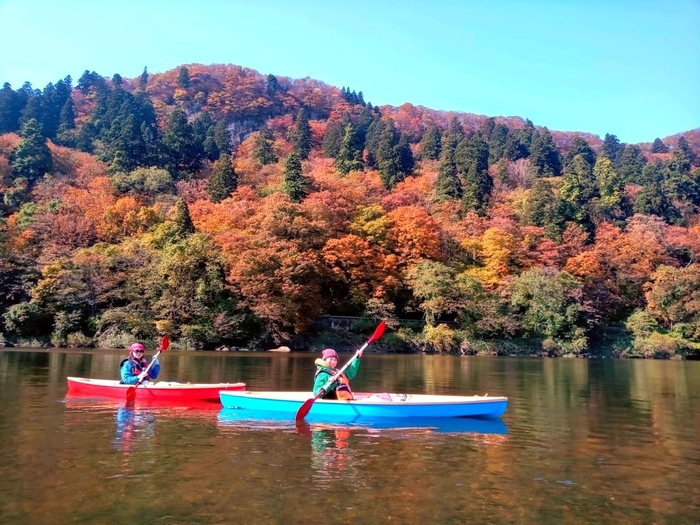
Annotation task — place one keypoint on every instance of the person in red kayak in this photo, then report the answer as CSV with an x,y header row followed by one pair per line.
x,y
326,367
132,369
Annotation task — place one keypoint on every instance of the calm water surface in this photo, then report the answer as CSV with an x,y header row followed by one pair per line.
x,y
581,442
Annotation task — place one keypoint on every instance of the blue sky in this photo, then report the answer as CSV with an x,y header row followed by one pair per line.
x,y
626,67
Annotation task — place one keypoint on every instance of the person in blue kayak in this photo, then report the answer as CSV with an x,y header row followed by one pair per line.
x,y
132,369
326,367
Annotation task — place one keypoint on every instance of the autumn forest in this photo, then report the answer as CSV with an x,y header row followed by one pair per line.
x,y
227,207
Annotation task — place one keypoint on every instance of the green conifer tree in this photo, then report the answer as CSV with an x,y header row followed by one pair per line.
x,y
333,139
478,183
350,155
182,217
612,148
430,145
294,183
447,185
579,146
263,147
658,146
497,142
301,137
32,158
223,180
631,164
183,78
545,159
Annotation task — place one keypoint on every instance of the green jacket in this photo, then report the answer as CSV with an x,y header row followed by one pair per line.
x,y
324,373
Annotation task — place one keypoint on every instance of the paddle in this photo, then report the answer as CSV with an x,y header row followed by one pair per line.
x,y
304,409
131,391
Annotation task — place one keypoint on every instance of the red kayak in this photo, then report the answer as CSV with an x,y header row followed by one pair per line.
x,y
160,391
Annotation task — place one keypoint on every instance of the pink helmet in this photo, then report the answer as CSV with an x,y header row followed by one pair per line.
x,y
136,346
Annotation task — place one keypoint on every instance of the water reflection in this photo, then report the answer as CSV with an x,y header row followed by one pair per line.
x,y
274,420
133,426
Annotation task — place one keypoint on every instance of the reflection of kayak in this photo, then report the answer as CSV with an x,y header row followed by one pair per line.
x,y
370,405
261,420
160,391
89,403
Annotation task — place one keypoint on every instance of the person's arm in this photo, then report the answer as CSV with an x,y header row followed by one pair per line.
x,y
351,371
154,371
320,380
127,377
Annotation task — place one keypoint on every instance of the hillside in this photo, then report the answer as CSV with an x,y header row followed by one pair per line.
x,y
228,207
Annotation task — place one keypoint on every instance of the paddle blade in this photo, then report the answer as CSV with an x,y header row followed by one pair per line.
x,y
164,343
304,409
131,393
377,333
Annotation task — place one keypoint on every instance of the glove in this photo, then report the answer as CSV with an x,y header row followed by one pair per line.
x,y
155,361
143,376
359,353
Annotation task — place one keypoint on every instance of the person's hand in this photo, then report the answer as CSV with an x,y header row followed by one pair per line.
x,y
143,376
155,361
359,353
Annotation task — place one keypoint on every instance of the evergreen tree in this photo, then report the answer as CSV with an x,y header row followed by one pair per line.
x,y
447,185
182,218
578,189
183,78
658,146
184,157
272,86
497,142
632,162
545,159
682,154
405,155
143,79
33,110
32,158
579,146
67,135
332,139
454,134
372,138
263,148
679,181
487,127
364,121
11,105
478,183
301,136
350,155
539,204
653,200
223,180
294,183
612,148
127,149
612,203
387,157
222,139
430,146
514,147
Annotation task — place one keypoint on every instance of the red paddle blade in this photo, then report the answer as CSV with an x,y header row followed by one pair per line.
x,y
304,409
164,343
377,333
131,393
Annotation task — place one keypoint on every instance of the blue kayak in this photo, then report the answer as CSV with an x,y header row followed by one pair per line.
x,y
370,406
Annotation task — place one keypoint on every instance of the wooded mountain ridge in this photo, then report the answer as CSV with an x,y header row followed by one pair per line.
x,y
228,207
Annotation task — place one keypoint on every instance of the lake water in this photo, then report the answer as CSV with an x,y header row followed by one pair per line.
x,y
599,441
